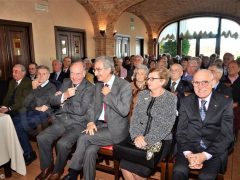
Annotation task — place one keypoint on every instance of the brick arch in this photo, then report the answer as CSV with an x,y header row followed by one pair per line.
x,y
116,12
92,13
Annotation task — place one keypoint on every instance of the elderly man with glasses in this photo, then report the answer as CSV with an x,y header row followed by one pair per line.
x,y
205,129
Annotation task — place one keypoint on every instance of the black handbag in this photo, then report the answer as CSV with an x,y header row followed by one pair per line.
x,y
128,151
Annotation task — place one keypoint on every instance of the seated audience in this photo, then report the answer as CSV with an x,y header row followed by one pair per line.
x,y
66,66
144,132
122,70
227,58
139,83
219,86
192,67
57,76
37,103
89,75
74,96
152,65
205,62
176,85
135,61
205,130
32,71
13,103
107,123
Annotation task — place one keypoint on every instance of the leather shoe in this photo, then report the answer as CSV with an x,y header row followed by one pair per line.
x,y
55,176
45,173
67,177
30,158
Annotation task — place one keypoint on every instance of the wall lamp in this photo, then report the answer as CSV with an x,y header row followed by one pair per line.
x,y
114,33
102,32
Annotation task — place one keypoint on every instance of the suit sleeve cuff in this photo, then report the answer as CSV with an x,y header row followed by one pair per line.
x,y
209,156
186,153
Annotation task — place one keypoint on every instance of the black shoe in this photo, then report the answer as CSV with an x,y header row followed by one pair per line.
x,y
30,158
67,177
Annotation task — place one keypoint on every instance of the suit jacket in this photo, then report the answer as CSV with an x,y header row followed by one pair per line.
x,y
183,86
216,131
22,90
39,97
73,111
118,105
235,88
223,89
59,80
67,74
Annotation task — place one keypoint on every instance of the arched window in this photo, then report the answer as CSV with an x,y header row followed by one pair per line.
x,y
200,35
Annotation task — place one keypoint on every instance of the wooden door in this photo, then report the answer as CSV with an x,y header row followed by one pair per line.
x,y
15,46
70,43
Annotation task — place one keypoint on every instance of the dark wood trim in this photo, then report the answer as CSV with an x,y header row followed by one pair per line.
x,y
30,33
67,29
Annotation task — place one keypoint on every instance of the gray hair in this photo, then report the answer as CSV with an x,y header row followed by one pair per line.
x,y
81,62
218,67
22,67
140,66
57,61
43,67
86,60
107,62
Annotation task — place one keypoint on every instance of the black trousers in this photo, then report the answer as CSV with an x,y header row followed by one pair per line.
x,y
209,170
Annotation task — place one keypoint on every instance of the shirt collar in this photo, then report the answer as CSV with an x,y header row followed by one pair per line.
x,y
110,82
45,83
206,99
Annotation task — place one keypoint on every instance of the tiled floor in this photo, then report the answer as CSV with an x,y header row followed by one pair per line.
x,y
233,169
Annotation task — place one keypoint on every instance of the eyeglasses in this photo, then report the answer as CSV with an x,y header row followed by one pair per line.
x,y
203,83
98,70
152,79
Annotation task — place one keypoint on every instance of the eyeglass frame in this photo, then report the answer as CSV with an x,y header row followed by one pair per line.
x,y
203,83
152,79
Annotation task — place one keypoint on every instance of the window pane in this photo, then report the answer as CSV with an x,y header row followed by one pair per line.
x,y
230,38
196,27
192,49
207,46
169,33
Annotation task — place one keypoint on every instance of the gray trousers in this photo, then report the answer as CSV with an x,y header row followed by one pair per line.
x,y
68,137
86,152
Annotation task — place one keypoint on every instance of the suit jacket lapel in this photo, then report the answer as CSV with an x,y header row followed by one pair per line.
x,y
98,100
211,108
196,108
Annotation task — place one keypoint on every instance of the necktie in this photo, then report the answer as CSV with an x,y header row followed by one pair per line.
x,y
55,76
105,107
172,86
16,84
203,110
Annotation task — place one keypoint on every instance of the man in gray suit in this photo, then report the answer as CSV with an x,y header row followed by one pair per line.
x,y
74,96
107,124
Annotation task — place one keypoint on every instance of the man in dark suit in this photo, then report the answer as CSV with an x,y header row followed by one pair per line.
x,y
176,85
37,103
32,71
74,96
219,86
66,66
205,129
107,124
36,109
18,89
57,76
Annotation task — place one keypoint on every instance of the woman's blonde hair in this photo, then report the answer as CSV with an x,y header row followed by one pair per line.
x,y
163,73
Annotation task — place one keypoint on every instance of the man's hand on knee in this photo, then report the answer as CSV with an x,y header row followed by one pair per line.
x,y
91,127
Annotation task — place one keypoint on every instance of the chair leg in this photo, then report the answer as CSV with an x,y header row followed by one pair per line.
x,y
170,170
7,169
220,177
116,169
163,166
